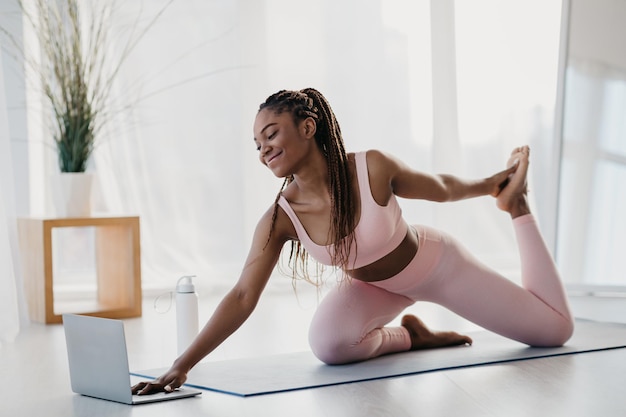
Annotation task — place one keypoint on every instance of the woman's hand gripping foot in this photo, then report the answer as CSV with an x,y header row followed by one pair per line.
x,y
513,197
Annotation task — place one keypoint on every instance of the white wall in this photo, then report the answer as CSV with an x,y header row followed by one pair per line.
x,y
598,31
593,164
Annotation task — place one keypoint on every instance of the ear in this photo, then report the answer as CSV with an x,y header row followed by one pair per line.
x,y
309,127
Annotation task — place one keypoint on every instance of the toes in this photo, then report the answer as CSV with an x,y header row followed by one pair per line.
x,y
463,340
517,155
521,149
451,339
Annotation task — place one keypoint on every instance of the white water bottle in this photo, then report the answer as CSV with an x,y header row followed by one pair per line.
x,y
186,312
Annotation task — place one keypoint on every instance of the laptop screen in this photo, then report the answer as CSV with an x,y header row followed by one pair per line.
x,y
97,357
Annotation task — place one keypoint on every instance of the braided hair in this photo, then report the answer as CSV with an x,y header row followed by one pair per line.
x,y
311,103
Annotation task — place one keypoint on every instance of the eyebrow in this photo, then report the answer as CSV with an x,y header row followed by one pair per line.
x,y
263,130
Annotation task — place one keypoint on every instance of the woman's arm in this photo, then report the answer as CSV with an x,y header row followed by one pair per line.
x,y
232,311
405,182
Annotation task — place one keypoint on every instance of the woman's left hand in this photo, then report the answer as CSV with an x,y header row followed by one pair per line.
x,y
500,180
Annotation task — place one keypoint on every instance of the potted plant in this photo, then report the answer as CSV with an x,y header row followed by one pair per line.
x,y
71,77
75,72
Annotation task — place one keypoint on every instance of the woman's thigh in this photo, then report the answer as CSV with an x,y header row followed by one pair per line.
x,y
349,313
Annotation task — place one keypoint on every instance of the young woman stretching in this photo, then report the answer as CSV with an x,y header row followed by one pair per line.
x,y
341,208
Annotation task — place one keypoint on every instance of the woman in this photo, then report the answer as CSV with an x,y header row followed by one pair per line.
x,y
341,209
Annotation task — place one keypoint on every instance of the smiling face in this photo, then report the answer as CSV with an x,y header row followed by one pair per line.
x,y
296,131
283,143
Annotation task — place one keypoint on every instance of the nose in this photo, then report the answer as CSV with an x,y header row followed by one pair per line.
x,y
267,147
263,151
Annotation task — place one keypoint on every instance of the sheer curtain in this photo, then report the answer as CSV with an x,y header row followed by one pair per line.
x,y
12,303
447,86
186,154
506,77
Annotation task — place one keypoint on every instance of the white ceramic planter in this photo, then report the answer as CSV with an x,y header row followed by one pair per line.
x,y
71,193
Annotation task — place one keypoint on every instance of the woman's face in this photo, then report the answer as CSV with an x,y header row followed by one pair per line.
x,y
282,144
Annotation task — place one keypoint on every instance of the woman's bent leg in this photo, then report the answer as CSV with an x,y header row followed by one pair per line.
x,y
348,324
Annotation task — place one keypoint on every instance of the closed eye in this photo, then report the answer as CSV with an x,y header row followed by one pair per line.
x,y
269,137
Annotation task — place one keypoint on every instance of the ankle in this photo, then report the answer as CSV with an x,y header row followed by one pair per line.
x,y
520,207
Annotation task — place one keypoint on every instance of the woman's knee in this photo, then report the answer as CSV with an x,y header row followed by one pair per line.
x,y
556,335
331,354
331,345
563,332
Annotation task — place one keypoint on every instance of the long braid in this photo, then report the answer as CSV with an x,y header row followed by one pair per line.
x,y
342,200
311,103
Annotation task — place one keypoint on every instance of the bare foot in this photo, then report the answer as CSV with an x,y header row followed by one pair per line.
x,y
512,198
423,338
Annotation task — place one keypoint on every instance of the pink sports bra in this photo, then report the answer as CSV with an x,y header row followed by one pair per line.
x,y
380,229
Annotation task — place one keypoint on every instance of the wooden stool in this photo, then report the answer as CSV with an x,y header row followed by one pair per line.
x,y
118,267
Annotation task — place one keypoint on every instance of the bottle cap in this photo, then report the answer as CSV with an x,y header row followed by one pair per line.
x,y
186,286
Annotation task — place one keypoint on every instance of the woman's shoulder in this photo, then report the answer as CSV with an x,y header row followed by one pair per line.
x,y
380,171
368,153
276,220
375,155
377,161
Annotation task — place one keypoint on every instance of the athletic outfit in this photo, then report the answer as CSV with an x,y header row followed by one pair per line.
x,y
349,323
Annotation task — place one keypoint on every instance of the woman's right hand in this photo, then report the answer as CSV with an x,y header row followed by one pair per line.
x,y
235,307
168,382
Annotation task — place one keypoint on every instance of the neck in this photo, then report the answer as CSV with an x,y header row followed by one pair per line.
x,y
313,177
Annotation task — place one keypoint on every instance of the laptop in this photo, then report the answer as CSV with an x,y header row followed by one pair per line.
x,y
96,352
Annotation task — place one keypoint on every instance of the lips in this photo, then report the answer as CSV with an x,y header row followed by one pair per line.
x,y
272,158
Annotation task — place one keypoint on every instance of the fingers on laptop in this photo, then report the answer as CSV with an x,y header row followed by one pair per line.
x,y
145,388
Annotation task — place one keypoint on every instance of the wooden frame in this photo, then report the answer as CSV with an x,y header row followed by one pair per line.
x,y
118,267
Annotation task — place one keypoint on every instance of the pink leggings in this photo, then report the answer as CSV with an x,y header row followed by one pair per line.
x,y
349,323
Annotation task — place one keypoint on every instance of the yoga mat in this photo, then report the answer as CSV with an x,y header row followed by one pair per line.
x,y
295,371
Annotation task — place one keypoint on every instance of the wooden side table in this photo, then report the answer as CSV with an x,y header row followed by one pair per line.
x,y
118,267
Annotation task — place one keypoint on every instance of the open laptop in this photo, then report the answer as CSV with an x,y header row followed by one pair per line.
x,y
96,351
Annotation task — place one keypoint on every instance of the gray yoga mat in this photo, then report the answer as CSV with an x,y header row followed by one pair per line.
x,y
294,371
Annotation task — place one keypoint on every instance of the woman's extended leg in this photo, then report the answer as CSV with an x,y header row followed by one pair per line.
x,y
539,273
537,314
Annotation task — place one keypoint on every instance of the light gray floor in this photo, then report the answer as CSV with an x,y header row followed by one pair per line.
x,y
36,381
